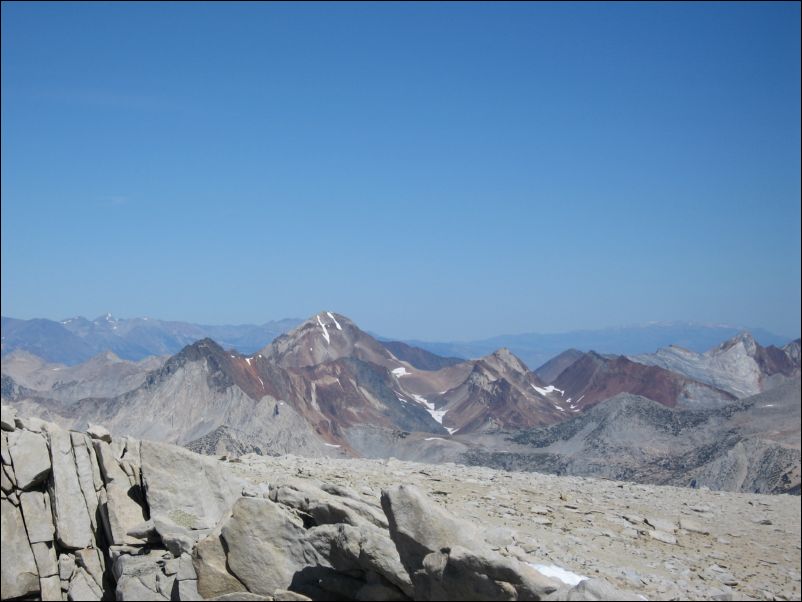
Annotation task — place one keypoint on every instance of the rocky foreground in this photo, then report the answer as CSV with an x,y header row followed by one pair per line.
x,y
88,517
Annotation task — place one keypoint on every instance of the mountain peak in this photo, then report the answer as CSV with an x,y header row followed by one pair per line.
x,y
744,338
324,337
503,360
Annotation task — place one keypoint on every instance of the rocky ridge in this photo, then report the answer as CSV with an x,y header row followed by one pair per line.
x,y
88,517
740,366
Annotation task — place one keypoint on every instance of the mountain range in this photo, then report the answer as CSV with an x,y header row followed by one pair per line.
x,y
328,388
75,340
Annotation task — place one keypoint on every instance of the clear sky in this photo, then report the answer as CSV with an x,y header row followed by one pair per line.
x,y
434,171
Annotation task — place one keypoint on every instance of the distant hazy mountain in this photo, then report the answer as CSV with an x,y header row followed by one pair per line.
x,y
76,340
535,349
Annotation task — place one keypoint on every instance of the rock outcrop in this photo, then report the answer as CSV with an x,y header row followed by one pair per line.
x,y
90,517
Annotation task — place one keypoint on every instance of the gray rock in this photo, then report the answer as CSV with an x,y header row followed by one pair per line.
x,y
38,518
209,561
189,490
66,566
591,590
73,527
141,577
663,536
185,568
266,545
462,574
45,556
176,539
188,590
50,588
500,537
418,526
366,549
83,587
97,478
7,415
95,431
19,576
121,512
30,458
83,466
108,463
328,509
144,530
7,479
90,560
4,455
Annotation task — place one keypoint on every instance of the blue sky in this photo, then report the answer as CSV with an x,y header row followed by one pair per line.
x,y
434,171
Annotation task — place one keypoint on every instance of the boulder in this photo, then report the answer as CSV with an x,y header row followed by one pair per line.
x,y
90,560
38,518
188,590
186,570
18,576
141,577
461,574
178,540
7,415
7,479
83,466
184,488
45,556
4,455
30,458
266,545
121,512
66,566
367,549
95,431
73,527
327,508
109,465
83,587
209,562
50,588
419,526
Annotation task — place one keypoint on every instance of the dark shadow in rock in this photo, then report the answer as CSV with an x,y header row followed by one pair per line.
x,y
324,583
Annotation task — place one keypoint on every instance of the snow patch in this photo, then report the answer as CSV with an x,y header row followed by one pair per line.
x,y
336,323
547,390
330,445
552,570
402,400
434,439
399,372
559,408
436,414
247,359
450,430
325,331
261,381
